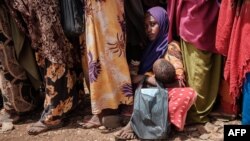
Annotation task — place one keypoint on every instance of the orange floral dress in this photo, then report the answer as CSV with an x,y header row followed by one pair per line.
x,y
104,55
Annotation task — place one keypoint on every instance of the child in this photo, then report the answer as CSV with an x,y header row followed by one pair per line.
x,y
165,73
180,99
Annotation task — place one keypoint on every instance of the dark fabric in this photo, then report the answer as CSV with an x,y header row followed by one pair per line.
x,y
136,38
44,28
157,48
72,17
1,100
56,57
25,55
17,91
134,22
15,86
147,4
61,91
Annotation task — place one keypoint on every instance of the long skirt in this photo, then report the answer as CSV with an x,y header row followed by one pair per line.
x,y
232,41
203,75
55,55
15,86
105,55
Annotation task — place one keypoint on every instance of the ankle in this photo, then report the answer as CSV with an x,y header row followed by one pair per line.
x,y
9,112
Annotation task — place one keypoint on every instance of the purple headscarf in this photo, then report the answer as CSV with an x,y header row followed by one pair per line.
x,y
157,48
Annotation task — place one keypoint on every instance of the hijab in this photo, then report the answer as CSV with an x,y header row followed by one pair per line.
x,y
157,48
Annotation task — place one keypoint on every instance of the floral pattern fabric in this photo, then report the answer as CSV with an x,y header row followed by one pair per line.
x,y
42,20
174,56
104,52
14,84
55,55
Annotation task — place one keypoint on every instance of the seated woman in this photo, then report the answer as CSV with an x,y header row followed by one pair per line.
x,y
180,99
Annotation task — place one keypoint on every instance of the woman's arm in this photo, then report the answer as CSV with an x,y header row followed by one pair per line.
x,y
150,79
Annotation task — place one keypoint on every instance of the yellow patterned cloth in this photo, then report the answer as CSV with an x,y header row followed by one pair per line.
x,y
104,55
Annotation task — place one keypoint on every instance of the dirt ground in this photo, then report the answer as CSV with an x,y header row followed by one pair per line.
x,y
211,131
72,132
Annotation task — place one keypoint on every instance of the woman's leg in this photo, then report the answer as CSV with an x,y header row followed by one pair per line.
x,y
61,96
17,93
105,59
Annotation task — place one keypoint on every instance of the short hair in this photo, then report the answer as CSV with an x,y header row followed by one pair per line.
x,y
164,71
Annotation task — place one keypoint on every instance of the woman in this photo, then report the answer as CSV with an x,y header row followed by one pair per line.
x,y
105,65
156,27
232,42
194,22
55,56
17,70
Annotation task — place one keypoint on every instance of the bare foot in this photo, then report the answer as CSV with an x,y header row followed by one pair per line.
x,y
126,133
40,127
6,116
93,122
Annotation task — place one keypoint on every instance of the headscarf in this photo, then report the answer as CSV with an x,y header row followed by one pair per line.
x,y
157,48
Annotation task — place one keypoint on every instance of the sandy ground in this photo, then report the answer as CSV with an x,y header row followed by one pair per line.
x,y
211,131
72,132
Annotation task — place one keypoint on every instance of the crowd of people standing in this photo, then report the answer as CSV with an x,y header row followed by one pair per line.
x,y
205,41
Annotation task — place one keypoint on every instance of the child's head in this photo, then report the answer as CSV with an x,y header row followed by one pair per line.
x,y
164,71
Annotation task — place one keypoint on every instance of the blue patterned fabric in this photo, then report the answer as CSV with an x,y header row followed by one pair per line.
x,y
245,102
